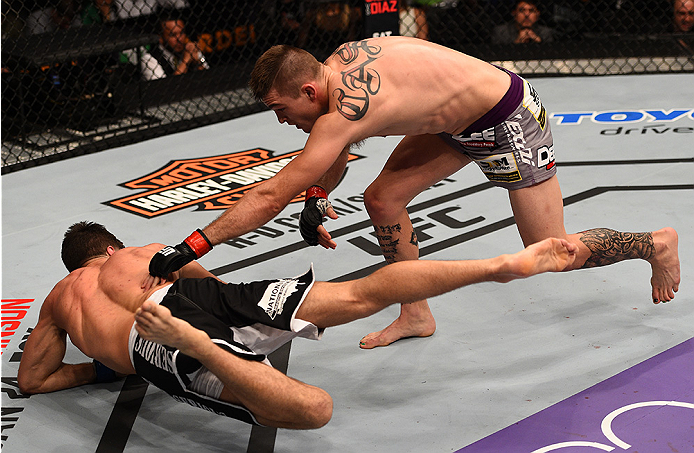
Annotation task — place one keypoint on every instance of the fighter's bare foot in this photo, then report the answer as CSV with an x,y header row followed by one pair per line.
x,y
415,320
665,265
155,323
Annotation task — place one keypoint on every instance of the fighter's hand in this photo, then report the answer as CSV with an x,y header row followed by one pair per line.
x,y
311,227
170,259
150,282
324,238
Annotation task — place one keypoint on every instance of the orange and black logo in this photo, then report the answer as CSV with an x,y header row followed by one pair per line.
x,y
209,183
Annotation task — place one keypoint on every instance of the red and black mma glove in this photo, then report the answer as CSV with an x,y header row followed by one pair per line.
x,y
315,207
170,259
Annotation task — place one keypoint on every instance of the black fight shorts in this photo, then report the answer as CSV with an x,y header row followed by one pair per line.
x,y
248,320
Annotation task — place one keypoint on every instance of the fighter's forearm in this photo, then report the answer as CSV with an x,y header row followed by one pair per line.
x,y
265,201
194,270
252,211
332,177
65,377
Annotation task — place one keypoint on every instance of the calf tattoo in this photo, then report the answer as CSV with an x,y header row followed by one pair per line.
x,y
413,239
610,246
389,245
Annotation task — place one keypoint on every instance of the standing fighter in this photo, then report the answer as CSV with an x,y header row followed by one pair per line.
x,y
453,109
210,353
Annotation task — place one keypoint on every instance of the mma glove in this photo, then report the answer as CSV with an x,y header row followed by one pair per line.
x,y
170,259
104,373
315,207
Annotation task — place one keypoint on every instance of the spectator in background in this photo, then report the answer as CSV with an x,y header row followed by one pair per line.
x,y
61,16
681,23
175,54
524,28
683,16
98,12
289,15
413,20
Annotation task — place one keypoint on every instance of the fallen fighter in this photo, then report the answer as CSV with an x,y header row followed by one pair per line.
x,y
204,341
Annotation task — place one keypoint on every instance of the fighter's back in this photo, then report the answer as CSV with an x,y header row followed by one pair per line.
x,y
96,304
414,86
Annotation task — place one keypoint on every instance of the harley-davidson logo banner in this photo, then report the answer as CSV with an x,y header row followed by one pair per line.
x,y
208,183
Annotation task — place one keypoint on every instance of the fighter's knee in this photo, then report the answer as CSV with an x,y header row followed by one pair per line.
x,y
323,411
370,197
315,413
378,205
319,411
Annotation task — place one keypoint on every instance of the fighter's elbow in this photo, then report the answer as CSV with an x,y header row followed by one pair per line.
x,y
28,390
26,384
275,206
273,200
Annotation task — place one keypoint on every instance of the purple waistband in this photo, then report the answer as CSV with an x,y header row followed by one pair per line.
x,y
501,111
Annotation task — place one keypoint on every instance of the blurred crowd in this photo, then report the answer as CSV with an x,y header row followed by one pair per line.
x,y
305,23
209,36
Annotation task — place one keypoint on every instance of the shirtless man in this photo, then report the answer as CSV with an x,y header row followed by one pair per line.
x,y
453,110
118,314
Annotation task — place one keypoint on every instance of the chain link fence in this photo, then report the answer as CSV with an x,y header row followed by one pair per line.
x,y
80,76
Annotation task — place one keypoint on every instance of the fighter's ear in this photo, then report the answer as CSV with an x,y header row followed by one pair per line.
x,y
309,89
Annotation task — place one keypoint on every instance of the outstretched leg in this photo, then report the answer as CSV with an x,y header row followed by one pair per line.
x,y
538,212
274,398
331,304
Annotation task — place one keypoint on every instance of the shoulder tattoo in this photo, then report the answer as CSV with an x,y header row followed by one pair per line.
x,y
360,81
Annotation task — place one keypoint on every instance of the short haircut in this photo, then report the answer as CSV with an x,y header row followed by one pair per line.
x,y
284,68
84,241
169,14
535,3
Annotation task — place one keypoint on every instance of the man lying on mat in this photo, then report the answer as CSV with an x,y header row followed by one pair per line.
x,y
204,341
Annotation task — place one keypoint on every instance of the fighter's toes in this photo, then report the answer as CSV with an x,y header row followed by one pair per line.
x,y
382,338
370,341
663,295
399,330
665,265
147,306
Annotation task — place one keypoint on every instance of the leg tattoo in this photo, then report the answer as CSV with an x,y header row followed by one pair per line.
x,y
399,243
389,246
610,246
413,239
